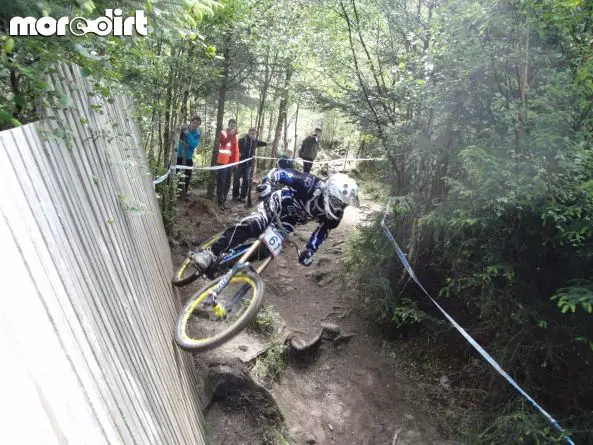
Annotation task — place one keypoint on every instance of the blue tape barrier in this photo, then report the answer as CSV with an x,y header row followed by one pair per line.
x,y
468,337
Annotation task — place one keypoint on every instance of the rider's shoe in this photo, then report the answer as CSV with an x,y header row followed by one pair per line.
x,y
203,259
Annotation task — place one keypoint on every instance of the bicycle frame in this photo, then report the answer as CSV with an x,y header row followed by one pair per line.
x,y
243,264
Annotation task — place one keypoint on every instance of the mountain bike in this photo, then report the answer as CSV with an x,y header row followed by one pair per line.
x,y
189,272
228,303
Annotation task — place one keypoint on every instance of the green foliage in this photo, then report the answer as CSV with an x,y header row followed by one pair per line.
x,y
270,366
26,63
520,424
484,111
579,293
372,186
370,262
264,321
169,194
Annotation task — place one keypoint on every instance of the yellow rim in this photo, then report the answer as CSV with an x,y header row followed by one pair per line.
x,y
202,246
236,279
210,241
183,267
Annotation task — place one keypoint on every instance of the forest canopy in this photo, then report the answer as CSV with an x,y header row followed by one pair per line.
x,y
483,111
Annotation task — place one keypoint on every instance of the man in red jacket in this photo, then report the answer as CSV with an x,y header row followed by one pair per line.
x,y
228,152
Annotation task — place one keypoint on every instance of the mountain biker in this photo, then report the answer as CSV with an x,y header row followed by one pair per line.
x,y
304,198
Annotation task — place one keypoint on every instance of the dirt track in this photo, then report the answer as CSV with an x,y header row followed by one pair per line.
x,y
355,393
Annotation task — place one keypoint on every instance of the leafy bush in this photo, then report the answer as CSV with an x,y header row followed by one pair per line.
x,y
517,424
264,321
371,262
169,193
271,365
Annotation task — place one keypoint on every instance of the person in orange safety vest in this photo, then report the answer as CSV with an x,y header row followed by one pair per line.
x,y
228,153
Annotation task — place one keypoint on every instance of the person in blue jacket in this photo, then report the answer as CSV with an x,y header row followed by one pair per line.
x,y
189,140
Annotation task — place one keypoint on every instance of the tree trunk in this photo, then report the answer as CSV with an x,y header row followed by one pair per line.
x,y
271,120
160,135
296,121
281,114
285,136
219,117
264,94
150,141
167,135
184,117
171,107
270,123
523,73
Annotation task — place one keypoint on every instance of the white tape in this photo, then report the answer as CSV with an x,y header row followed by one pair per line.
x,y
347,160
491,361
220,167
161,178
214,167
326,161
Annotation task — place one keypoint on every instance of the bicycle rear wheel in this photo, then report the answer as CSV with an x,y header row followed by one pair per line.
x,y
241,299
188,272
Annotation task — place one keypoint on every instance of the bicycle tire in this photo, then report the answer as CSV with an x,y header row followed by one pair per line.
x,y
200,345
180,278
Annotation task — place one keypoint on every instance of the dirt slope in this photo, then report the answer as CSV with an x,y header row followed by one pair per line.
x,y
354,393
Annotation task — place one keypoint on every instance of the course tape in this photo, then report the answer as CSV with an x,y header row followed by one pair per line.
x,y
219,167
187,167
468,337
327,161
214,167
161,178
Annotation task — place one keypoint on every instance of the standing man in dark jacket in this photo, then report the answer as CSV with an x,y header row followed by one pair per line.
x,y
247,146
309,149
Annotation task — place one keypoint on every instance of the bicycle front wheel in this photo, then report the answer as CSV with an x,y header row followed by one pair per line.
x,y
200,329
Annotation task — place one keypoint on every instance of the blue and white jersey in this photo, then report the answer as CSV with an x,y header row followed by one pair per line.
x,y
301,201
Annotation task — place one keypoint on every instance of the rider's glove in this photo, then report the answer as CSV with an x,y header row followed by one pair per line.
x,y
264,190
306,257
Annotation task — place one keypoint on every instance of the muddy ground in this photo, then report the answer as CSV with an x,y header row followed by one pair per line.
x,y
355,392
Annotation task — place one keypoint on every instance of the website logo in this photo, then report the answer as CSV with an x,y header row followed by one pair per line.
x,y
113,23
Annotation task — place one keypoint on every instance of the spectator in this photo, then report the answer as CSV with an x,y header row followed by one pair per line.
x,y
228,153
242,176
286,159
309,149
189,140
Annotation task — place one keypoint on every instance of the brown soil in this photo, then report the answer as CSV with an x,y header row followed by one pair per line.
x,y
354,393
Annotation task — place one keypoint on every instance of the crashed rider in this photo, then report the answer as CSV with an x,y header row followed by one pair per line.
x,y
304,198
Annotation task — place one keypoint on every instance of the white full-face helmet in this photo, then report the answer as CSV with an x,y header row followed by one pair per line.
x,y
340,190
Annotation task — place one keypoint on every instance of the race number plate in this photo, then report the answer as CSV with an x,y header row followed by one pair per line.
x,y
273,240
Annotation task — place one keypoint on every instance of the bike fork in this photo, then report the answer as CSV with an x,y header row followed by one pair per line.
x,y
221,311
